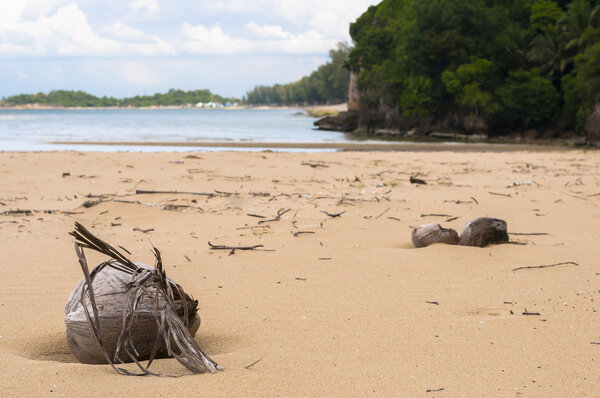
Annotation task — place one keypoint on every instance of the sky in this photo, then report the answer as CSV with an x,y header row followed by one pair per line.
x,y
122,48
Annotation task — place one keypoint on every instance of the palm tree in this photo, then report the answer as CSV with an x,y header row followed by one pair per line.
x,y
579,25
548,51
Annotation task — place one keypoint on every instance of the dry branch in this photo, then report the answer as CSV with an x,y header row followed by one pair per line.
x,y
225,247
547,266
277,217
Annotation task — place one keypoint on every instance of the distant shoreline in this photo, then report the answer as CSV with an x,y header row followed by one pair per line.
x,y
346,146
318,108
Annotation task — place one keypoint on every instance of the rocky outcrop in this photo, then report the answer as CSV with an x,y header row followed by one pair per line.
x,y
344,121
353,101
592,126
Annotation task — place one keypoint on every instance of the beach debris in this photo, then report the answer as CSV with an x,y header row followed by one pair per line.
x,y
252,364
298,233
280,213
517,183
333,215
143,230
90,203
149,192
232,249
369,217
435,215
507,195
483,231
426,234
418,181
530,313
17,212
314,165
123,311
547,266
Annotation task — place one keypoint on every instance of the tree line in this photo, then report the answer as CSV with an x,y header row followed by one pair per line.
x,y
327,85
67,98
514,63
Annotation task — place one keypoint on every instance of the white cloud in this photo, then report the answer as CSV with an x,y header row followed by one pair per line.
x,y
199,39
268,31
62,27
151,5
121,31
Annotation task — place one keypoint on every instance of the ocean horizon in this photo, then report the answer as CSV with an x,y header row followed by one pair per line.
x,y
67,129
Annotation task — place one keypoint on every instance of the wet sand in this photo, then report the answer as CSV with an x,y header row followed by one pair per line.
x,y
332,306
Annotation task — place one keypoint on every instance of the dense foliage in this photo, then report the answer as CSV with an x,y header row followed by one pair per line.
x,y
327,85
82,99
515,63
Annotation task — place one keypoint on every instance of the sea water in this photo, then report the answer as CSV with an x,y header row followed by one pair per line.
x,y
36,129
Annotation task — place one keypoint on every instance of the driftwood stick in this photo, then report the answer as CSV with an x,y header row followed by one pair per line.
x,y
314,165
145,192
225,247
547,266
143,230
253,363
435,215
382,213
303,232
277,217
333,215
255,215
500,194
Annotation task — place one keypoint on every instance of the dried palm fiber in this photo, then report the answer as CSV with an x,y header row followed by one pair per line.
x,y
137,313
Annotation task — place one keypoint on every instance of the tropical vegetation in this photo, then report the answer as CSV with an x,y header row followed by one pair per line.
x,y
66,98
514,63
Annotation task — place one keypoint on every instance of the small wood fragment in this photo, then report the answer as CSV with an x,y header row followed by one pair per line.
x,y
143,230
418,181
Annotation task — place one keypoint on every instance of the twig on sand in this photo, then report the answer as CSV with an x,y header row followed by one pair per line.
x,y
277,217
435,215
252,364
255,215
547,266
16,213
314,165
303,232
143,230
500,194
333,215
530,313
146,192
225,247
439,389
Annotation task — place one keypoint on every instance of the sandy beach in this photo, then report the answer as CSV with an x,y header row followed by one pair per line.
x,y
329,306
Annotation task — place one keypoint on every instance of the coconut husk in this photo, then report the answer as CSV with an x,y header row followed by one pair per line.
x,y
483,231
426,234
123,311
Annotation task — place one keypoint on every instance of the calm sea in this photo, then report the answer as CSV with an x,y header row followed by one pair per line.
x,y
33,130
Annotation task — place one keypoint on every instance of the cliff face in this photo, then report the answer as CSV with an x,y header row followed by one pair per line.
x,y
593,126
353,101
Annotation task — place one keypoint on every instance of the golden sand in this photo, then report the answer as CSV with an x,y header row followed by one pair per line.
x,y
331,306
